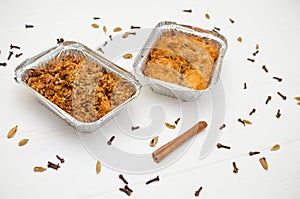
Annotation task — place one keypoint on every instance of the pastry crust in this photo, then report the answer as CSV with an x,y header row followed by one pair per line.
x,y
184,59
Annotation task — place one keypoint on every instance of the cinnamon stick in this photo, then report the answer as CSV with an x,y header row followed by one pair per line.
x,y
169,147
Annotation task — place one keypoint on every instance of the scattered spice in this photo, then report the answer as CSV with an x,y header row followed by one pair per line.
x,y
170,126
255,53
18,55
265,68
154,141
12,132
152,180
125,191
23,142
219,145
125,35
240,39
297,98
60,159
127,188
10,54
117,29
13,46
268,99
3,64
216,29
252,60
134,27
39,169
96,18
246,121
28,26
105,43
110,37
245,85
264,163
251,153
241,121
256,46
53,166
282,96
98,167
177,120
60,40
123,179
94,25
207,16
235,169
198,191
127,56
231,20
100,49
278,114
104,29
190,10
278,79
109,142
222,127
135,128
253,111
276,147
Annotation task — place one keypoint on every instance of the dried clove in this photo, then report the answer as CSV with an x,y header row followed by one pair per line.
x,y
255,53
53,166
123,179
96,18
60,40
282,96
135,128
190,10
278,114
3,64
177,120
278,79
219,145
245,85
216,29
105,43
134,27
251,153
28,26
110,37
60,159
109,142
252,60
235,169
198,191
222,127
127,188
13,46
241,121
264,163
265,68
268,99
125,191
152,180
100,49
253,111
18,55
231,20
10,54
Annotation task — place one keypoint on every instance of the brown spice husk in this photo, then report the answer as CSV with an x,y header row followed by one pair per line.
x,y
117,29
39,169
264,163
240,39
154,141
207,16
12,132
170,126
104,29
23,142
276,147
94,25
98,167
247,122
127,56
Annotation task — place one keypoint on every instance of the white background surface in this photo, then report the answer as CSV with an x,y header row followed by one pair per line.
x,y
274,25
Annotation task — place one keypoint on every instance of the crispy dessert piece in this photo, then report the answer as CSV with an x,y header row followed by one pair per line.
x,y
84,89
182,59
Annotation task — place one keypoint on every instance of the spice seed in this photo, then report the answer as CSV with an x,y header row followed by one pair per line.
x,y
94,25
276,147
23,142
39,169
256,46
297,98
235,169
154,141
278,114
126,34
264,163
207,16
240,39
117,29
104,29
247,122
222,127
12,132
98,167
127,56
170,126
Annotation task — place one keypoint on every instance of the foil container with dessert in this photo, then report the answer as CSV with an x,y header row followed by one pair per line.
x,y
78,85
181,61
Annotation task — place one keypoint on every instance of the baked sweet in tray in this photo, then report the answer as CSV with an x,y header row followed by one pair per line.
x,y
183,59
